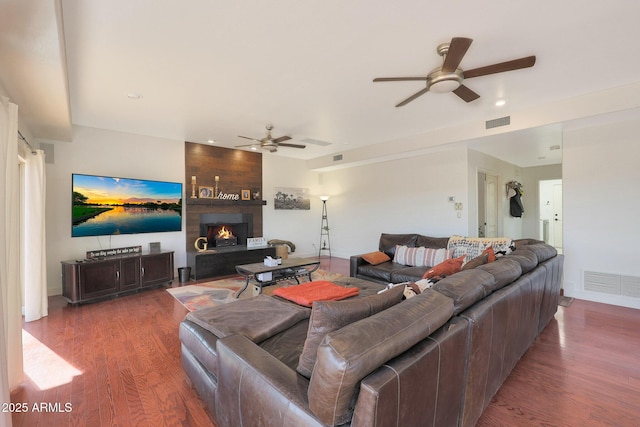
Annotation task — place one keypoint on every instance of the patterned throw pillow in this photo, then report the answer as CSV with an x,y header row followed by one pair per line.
x,y
473,246
420,257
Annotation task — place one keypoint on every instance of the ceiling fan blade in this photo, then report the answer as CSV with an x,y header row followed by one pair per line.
x,y
457,49
291,145
399,79
414,96
282,138
246,137
466,94
515,64
246,145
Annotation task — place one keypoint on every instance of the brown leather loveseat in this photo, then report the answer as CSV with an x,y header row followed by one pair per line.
x,y
435,359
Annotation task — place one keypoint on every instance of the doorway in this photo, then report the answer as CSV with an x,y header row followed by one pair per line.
x,y
551,212
487,205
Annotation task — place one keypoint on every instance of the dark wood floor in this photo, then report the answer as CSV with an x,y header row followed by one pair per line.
x,y
117,363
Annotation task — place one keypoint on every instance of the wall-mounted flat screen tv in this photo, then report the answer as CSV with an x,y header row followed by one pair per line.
x,y
104,205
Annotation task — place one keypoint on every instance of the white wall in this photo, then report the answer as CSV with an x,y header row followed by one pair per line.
x,y
600,206
103,152
301,227
400,196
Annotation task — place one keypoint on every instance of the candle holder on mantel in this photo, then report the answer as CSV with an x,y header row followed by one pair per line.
x,y
193,187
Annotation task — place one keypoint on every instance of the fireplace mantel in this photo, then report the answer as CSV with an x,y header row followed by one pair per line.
x,y
217,202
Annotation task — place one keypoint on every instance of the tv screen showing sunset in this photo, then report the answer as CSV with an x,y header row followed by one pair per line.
x,y
104,205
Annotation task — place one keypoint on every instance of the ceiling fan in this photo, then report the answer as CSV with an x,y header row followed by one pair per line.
x,y
449,77
269,143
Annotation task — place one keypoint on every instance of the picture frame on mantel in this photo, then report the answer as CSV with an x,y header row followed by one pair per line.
x,y
205,192
245,194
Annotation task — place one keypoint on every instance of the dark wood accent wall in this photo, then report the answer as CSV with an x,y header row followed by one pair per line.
x,y
237,169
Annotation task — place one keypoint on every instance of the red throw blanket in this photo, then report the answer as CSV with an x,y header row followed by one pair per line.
x,y
319,290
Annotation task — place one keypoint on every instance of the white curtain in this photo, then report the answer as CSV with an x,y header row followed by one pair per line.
x,y
10,312
34,274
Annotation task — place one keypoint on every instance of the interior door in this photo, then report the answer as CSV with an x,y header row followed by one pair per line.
x,y
557,216
482,223
491,205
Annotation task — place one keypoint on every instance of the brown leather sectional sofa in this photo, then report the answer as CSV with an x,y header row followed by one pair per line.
x,y
392,272
435,359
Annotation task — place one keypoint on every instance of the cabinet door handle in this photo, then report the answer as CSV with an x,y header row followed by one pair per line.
x,y
142,270
117,275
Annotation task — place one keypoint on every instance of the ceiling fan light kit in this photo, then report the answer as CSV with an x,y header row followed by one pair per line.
x,y
449,76
269,143
441,82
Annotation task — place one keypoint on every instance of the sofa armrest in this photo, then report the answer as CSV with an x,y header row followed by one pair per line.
x,y
354,262
255,388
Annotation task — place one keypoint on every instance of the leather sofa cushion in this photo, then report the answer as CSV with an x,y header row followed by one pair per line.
x,y
381,271
432,242
388,242
505,271
328,316
542,251
257,318
286,346
465,288
349,354
408,274
527,259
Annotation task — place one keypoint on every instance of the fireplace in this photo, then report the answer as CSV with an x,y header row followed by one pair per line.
x,y
223,235
226,230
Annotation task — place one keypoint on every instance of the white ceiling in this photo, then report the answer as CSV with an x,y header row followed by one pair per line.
x,y
212,69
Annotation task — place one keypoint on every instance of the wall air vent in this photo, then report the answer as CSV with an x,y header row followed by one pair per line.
x,y
614,284
337,157
502,121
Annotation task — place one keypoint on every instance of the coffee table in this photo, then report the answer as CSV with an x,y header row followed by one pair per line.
x,y
263,275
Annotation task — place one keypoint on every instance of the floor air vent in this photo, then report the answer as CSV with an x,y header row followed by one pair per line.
x,y
614,284
502,121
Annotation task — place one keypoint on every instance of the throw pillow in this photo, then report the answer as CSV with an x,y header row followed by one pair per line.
x,y
477,261
491,255
329,316
420,256
445,268
375,258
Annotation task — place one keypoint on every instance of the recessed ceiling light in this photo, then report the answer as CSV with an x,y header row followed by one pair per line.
x,y
211,141
133,95
501,102
254,148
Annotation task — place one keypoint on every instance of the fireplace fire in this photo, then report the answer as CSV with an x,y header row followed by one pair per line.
x,y
223,236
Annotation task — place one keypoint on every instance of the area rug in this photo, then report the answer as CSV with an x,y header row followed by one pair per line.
x,y
216,292
565,301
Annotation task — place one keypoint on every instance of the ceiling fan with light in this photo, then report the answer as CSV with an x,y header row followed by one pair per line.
x,y
269,143
449,76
